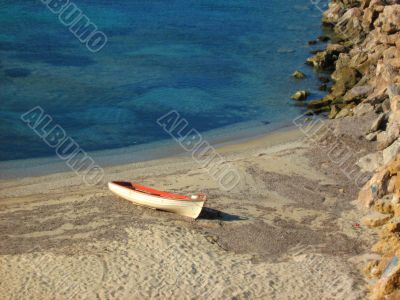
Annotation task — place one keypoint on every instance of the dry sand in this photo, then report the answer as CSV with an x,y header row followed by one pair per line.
x,y
286,232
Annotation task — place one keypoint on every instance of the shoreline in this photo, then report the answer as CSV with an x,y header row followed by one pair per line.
x,y
235,134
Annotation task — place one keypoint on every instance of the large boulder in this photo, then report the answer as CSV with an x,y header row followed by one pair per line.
x,y
374,189
349,25
357,93
333,13
345,78
389,19
360,61
391,152
392,133
369,17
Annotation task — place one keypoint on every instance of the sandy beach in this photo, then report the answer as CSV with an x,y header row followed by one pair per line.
x,y
183,94
287,231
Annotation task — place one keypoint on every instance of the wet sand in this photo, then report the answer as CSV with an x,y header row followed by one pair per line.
x,y
287,231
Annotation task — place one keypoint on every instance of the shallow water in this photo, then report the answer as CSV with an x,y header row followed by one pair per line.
x,y
216,62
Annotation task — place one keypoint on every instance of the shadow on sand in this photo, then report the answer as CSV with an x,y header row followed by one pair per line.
x,y
214,214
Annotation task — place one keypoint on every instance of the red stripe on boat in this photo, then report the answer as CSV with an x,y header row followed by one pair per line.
x,y
155,192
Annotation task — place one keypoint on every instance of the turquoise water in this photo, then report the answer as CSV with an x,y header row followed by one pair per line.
x,y
217,63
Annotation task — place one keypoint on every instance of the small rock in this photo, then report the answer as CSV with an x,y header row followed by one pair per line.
x,y
300,95
375,219
298,75
312,42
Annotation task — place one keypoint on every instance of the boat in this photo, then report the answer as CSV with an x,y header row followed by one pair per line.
x,y
188,206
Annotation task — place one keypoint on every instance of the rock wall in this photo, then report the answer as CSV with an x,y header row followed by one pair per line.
x,y
365,59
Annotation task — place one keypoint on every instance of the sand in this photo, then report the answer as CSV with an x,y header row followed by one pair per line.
x,y
287,231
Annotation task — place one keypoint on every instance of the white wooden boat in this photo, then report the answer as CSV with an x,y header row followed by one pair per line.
x,y
189,206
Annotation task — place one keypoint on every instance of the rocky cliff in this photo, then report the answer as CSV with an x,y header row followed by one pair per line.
x,y
365,59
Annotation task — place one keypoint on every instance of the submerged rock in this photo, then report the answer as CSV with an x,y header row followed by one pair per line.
x,y
323,38
316,104
326,59
323,79
298,75
323,87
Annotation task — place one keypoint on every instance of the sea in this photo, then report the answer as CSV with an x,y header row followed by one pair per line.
x,y
223,65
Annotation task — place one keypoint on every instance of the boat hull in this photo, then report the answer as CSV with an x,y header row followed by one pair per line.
x,y
187,208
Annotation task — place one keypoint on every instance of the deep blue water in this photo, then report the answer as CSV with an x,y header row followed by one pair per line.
x,y
216,62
